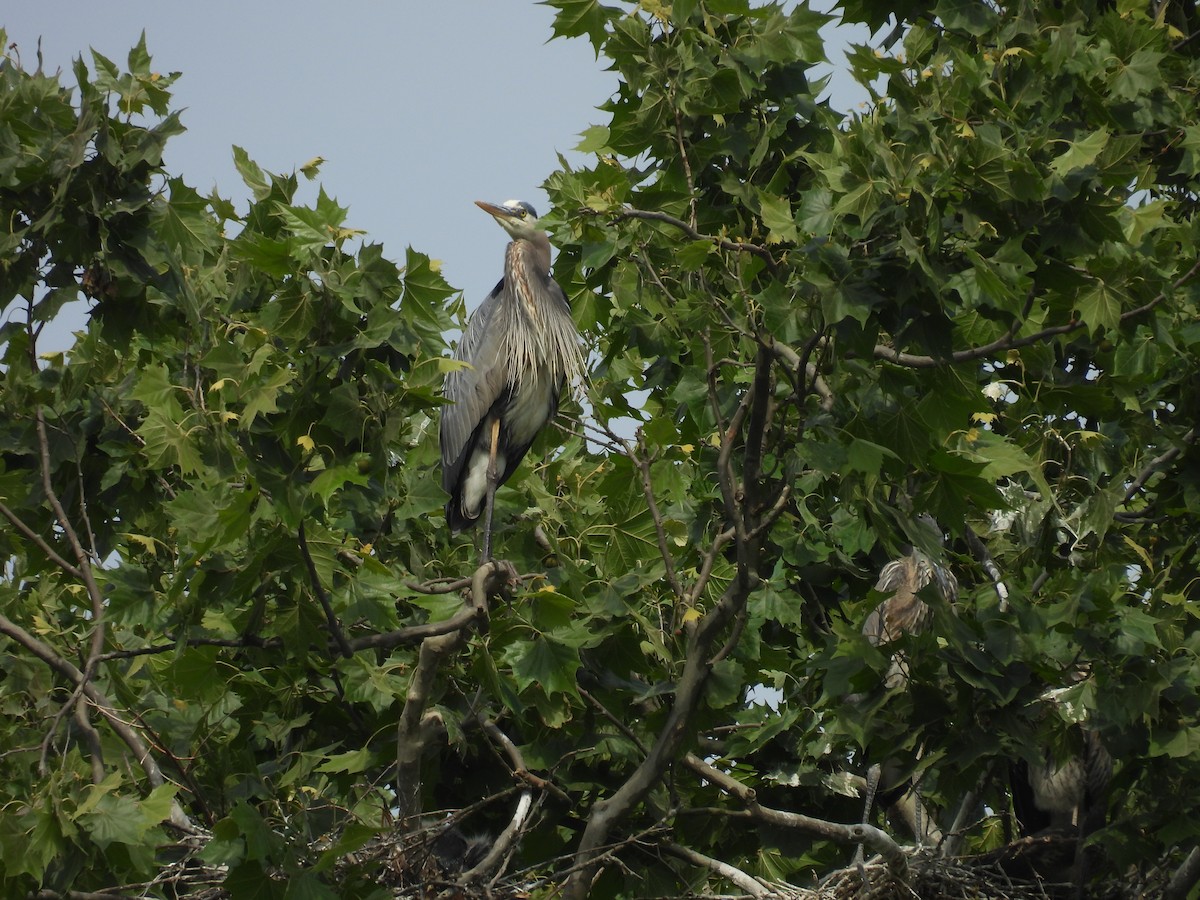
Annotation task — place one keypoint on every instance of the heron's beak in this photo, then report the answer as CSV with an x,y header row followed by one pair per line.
x,y
498,211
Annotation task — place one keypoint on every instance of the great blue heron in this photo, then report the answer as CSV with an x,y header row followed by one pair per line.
x,y
520,347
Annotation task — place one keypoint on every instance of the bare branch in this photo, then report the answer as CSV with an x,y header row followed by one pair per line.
x,y
616,720
410,736
808,370
980,551
335,630
438,585
102,704
725,244
706,565
83,568
1185,877
730,873
664,550
92,737
877,839
516,825
1155,464
1010,342
687,164
36,540
414,633
688,691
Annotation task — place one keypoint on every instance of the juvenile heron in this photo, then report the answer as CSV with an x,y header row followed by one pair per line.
x,y
904,612
521,346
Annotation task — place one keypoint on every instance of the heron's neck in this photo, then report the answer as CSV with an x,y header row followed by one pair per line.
x,y
532,256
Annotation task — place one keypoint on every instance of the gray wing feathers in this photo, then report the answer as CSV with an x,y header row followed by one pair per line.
x,y
471,392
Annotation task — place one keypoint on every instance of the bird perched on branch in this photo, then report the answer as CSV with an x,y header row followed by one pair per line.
x,y
520,348
904,612
1064,796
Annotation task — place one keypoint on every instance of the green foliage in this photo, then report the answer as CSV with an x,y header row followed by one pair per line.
x,y
978,300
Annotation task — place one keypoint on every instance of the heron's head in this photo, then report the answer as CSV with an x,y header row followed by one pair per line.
x,y
516,217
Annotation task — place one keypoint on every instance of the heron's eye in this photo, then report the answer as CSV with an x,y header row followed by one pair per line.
x,y
522,213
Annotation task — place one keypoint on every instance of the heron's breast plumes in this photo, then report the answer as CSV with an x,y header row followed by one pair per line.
x,y
542,344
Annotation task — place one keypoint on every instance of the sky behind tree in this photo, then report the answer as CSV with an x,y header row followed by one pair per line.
x,y
418,109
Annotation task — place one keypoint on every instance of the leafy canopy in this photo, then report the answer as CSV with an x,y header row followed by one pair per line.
x,y
229,607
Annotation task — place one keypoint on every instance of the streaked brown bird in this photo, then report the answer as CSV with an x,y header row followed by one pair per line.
x,y
904,612
520,348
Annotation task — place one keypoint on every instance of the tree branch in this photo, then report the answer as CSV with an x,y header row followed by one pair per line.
x,y
878,840
1155,464
314,577
516,824
1010,342
725,244
102,704
36,540
411,737
729,872
1185,877
83,570
981,553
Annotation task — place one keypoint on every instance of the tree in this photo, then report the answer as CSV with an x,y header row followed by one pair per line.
x,y
241,653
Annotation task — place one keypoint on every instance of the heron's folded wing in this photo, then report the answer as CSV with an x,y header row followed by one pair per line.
x,y
473,391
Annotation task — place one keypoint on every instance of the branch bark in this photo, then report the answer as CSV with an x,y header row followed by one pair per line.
x,y
1185,877
411,732
104,706
878,840
516,824
730,873
738,495
314,577
1010,342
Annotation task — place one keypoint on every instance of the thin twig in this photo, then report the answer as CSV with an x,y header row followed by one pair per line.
x,y
725,244
1155,464
616,720
86,575
37,541
141,752
314,577
660,532
981,553
877,839
1010,342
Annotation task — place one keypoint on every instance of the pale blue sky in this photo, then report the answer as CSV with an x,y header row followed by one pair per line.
x,y
418,108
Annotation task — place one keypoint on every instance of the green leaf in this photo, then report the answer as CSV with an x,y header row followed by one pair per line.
x,y
777,216
544,662
866,457
1100,308
351,762
186,223
1080,154
595,140
252,175
578,17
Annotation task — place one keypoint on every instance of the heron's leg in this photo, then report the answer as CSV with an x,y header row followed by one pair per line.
x,y
493,446
873,775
